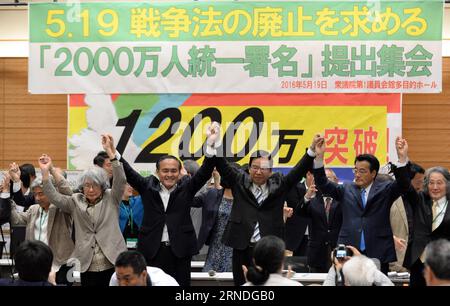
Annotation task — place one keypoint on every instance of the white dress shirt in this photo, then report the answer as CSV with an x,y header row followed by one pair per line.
x,y
165,196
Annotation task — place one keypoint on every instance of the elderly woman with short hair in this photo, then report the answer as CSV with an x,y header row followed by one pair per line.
x,y
95,211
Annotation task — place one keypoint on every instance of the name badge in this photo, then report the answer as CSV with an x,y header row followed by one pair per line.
x,y
131,243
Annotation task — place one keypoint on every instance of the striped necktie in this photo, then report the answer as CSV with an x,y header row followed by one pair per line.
x,y
258,193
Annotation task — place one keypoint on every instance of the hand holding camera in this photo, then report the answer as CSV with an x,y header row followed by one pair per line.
x,y
342,253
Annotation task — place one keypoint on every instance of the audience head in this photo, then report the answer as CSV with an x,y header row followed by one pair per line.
x,y
437,182
359,271
128,192
27,174
268,257
131,269
33,261
437,263
103,161
260,167
366,169
417,176
168,169
38,193
309,178
191,167
93,182
331,175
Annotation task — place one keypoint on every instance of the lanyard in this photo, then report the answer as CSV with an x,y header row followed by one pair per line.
x,y
130,216
42,220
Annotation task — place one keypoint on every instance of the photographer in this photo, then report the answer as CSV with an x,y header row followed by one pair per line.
x,y
350,268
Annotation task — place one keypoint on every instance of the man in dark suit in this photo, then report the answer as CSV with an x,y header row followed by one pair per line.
x,y
326,220
296,237
366,203
431,219
258,204
167,237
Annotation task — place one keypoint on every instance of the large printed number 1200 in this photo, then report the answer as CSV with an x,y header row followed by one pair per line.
x,y
174,115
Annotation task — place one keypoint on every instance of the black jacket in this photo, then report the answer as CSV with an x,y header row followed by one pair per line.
x,y
246,212
323,234
422,231
296,225
373,219
177,216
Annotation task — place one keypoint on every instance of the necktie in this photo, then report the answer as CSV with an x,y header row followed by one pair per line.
x,y
362,244
435,209
259,199
363,197
258,195
328,201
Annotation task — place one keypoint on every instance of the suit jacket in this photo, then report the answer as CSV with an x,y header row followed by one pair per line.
x,y
105,231
295,226
421,204
209,201
373,219
246,212
323,234
399,225
59,230
5,211
183,240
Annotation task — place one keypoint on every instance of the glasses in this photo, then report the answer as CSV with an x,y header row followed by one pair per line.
x,y
436,183
88,186
360,171
256,169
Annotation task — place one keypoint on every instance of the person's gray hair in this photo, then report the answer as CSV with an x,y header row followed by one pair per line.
x,y
437,169
359,271
95,174
38,183
437,257
191,166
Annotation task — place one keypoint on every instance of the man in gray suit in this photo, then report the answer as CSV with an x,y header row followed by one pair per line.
x,y
46,223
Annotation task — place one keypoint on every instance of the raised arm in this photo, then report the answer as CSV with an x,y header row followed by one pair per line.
x,y
402,184
322,183
18,217
303,166
61,183
204,173
119,179
63,202
17,195
5,202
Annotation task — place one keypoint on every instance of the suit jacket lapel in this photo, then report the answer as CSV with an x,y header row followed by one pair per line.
x,y
332,211
357,193
32,221
248,184
373,190
51,218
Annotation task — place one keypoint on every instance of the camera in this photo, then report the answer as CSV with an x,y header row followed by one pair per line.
x,y
342,251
